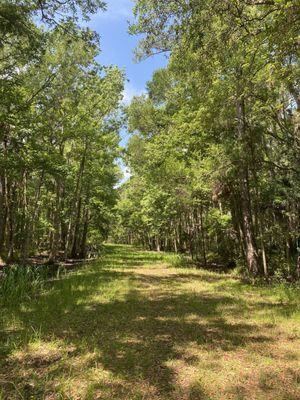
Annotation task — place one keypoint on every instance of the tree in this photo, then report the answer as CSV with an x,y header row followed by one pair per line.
x,y
228,101
59,141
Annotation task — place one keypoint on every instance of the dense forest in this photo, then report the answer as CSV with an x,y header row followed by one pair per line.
x,y
59,132
150,243
215,146
215,141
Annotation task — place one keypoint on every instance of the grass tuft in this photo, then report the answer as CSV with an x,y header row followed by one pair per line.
x,y
177,260
20,282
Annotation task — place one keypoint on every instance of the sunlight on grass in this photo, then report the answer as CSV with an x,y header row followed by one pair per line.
x,y
132,327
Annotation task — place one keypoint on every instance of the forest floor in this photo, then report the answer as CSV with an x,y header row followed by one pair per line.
x,y
131,327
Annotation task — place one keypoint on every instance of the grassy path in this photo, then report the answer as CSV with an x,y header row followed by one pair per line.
x,y
131,327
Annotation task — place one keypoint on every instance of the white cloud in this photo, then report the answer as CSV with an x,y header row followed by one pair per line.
x,y
129,92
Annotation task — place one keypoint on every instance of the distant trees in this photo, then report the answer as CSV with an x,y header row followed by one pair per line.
x,y
214,154
59,132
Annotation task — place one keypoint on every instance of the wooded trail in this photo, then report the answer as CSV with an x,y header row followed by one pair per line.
x,y
130,326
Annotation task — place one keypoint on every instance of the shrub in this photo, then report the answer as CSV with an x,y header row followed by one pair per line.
x,y
20,282
178,260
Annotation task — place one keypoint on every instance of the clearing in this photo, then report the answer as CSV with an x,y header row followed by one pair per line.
x,y
131,327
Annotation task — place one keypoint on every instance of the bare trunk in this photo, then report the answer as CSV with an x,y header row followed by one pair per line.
x,y
84,234
75,210
56,224
248,233
203,236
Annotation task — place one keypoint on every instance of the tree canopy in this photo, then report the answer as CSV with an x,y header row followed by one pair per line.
x,y
214,147
214,154
59,131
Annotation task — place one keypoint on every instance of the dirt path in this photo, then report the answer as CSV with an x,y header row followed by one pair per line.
x,y
130,327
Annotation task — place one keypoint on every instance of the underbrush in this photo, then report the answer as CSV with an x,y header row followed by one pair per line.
x,y
285,292
24,282
178,260
288,293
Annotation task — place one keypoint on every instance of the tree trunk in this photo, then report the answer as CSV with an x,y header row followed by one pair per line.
x,y
203,236
82,253
245,202
56,224
75,209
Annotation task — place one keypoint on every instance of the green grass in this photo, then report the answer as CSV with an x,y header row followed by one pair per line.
x,y
131,326
18,283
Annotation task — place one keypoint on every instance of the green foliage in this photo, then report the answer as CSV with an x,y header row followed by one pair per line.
x,y
18,283
214,152
178,260
289,293
59,133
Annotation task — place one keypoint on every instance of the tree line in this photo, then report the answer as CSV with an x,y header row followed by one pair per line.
x,y
59,124
214,153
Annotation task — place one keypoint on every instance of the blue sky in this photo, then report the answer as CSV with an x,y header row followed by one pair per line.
x,y
117,48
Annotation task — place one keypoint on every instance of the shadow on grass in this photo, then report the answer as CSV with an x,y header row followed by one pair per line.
x,y
134,336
